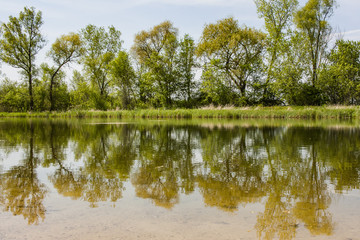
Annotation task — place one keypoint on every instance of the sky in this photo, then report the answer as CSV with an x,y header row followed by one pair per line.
x,y
132,16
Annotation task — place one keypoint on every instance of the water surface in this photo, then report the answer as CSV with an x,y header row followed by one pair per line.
x,y
199,179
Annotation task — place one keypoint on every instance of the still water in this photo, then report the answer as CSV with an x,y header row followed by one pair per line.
x,y
147,179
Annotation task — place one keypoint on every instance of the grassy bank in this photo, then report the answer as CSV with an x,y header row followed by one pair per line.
x,y
327,112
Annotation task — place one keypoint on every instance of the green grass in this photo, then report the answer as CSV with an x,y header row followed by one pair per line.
x,y
325,112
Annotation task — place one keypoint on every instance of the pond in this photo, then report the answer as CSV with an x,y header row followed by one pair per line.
x,y
184,179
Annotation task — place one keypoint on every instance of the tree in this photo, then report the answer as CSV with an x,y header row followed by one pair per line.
x,y
13,96
312,21
340,78
186,63
81,92
51,90
124,76
233,50
100,47
65,49
277,15
156,49
21,41
144,87
289,72
215,88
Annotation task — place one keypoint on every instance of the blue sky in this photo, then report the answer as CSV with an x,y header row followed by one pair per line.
x,y
132,16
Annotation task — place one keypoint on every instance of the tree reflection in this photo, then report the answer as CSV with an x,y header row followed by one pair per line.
x,y
21,191
297,187
108,159
288,169
232,174
314,198
164,165
247,164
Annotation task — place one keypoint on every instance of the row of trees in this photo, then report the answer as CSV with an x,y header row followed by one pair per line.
x,y
290,63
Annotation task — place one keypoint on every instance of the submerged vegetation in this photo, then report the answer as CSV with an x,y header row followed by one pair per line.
x,y
290,62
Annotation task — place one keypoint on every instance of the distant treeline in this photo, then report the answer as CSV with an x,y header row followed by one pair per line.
x,y
291,62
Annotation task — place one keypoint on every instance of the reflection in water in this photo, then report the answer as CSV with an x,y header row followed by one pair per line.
x,y
21,191
290,170
233,173
164,165
106,165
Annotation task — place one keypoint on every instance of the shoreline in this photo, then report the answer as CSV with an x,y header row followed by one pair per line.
x,y
287,112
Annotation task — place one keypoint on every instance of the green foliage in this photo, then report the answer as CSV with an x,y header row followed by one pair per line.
x,y
146,88
216,90
340,79
42,100
156,50
211,112
13,97
65,49
124,79
100,49
186,63
290,71
289,64
277,16
313,21
81,93
234,51
308,95
41,90
21,41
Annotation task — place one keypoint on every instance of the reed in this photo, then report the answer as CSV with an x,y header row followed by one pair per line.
x,y
323,112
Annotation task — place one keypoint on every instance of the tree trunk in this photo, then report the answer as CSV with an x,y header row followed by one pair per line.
x,y
31,93
51,95
314,74
273,58
125,97
242,89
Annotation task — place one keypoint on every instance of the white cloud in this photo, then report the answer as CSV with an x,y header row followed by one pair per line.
x,y
353,35
196,2
86,3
